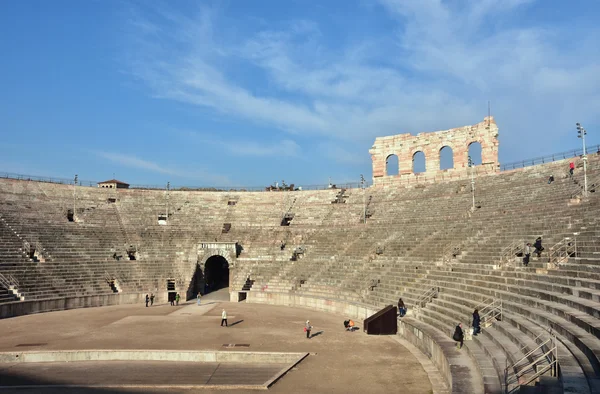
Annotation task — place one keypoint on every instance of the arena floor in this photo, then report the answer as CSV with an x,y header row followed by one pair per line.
x,y
339,361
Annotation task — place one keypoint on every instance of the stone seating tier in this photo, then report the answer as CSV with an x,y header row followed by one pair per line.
x,y
416,236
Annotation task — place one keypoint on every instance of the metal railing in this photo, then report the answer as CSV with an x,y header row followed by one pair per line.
x,y
549,158
509,253
562,251
88,183
489,311
426,296
9,282
546,362
346,185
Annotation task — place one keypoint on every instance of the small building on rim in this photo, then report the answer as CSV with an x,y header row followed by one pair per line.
x,y
113,184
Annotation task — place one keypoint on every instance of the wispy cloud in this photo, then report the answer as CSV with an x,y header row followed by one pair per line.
x,y
131,161
440,69
243,147
127,160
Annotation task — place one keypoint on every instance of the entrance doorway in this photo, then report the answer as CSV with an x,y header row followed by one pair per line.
x,y
216,273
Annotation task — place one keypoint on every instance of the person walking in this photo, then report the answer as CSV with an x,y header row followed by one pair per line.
x,y
147,300
177,298
571,169
527,254
476,322
151,299
307,328
198,298
458,336
401,308
538,247
224,318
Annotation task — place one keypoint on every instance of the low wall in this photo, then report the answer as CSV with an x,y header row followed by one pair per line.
x,y
20,308
151,355
349,309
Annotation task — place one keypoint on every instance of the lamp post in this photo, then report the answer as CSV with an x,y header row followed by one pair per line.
x,y
168,188
74,195
472,182
362,185
581,132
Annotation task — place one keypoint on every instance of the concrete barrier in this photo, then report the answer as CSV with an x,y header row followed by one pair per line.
x,y
20,308
151,355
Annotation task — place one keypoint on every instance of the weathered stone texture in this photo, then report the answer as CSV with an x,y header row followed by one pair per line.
x,y
404,146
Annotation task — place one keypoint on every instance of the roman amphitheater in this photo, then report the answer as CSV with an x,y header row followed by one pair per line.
x,y
274,259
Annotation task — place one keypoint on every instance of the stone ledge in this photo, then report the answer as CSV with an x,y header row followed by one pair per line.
x,y
151,355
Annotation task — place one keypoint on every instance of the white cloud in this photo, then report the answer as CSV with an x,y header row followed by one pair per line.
x,y
127,160
449,59
131,161
239,147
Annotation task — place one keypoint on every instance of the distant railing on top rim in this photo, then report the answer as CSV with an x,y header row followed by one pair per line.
x,y
593,149
66,181
550,158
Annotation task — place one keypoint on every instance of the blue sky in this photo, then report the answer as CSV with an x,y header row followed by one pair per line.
x,y
246,93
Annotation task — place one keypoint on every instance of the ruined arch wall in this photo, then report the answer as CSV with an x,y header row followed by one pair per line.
x,y
406,145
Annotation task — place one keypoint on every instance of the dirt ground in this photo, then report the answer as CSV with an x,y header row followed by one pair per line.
x,y
339,361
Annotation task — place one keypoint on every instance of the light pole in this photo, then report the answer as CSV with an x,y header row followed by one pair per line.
x,y
362,185
581,134
74,195
472,182
168,187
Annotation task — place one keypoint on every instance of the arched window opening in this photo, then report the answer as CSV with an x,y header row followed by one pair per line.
x,y
391,165
446,158
475,153
418,162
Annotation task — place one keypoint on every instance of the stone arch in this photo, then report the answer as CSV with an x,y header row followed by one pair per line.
x,y
201,279
446,154
419,162
475,152
216,273
392,165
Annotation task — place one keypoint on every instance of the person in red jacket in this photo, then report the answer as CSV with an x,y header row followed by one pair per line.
x,y
571,168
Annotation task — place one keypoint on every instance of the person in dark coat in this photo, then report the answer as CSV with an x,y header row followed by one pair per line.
x,y
401,307
458,336
476,322
538,247
151,299
147,300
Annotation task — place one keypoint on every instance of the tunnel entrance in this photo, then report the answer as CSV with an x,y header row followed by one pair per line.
x,y
216,273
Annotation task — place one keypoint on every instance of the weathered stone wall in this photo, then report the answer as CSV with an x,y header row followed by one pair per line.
x,y
28,307
405,146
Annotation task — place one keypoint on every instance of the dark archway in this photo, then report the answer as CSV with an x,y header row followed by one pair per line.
x,y
216,273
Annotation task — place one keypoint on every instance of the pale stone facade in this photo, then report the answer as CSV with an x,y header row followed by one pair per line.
x,y
405,146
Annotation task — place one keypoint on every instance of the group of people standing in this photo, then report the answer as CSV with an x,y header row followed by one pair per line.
x,y
149,299
174,301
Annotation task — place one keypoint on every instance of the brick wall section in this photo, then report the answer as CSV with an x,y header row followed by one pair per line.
x,y
458,139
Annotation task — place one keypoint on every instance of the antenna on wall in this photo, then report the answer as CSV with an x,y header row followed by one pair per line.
x,y
489,114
